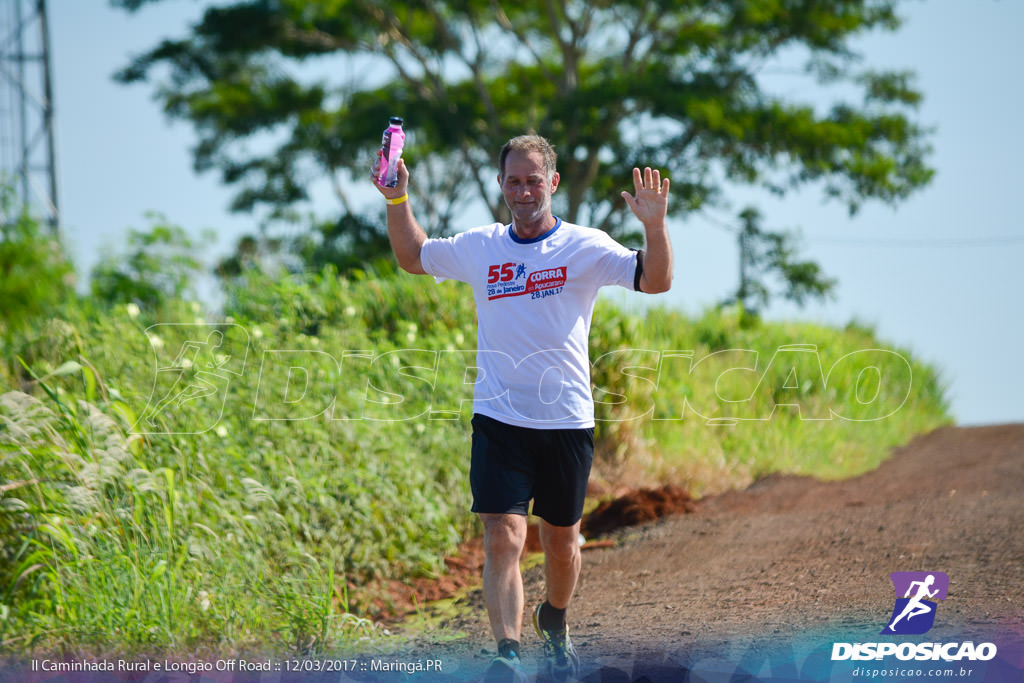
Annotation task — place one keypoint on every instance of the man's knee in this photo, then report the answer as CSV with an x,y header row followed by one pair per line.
x,y
560,542
504,536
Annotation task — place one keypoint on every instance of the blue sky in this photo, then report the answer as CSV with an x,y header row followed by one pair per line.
x,y
940,275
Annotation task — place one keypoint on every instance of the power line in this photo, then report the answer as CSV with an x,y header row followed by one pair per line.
x,y
917,243
950,243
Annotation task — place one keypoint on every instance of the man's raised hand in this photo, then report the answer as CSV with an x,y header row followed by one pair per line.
x,y
650,203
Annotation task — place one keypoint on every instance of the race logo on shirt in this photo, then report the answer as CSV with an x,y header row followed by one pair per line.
x,y
511,279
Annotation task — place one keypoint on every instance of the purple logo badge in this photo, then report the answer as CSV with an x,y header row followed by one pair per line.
x,y
917,594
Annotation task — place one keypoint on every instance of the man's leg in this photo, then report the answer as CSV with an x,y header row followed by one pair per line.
x,y
504,538
562,562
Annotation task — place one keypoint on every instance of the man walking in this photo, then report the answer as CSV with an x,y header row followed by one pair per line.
x,y
535,282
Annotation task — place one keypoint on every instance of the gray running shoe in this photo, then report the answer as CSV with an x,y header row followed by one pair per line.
x,y
505,670
560,659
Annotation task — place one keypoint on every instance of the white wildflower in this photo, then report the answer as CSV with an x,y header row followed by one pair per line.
x,y
133,311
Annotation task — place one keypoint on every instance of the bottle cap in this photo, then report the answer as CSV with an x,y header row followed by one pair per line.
x,y
397,120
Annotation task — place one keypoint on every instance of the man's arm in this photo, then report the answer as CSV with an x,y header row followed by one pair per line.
x,y
405,234
650,206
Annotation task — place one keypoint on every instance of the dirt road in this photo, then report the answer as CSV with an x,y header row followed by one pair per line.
x,y
793,558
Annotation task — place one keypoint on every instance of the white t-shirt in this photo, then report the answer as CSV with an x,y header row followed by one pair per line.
x,y
534,301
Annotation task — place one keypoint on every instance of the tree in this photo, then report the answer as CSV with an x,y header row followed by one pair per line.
x,y
158,264
772,255
36,274
678,84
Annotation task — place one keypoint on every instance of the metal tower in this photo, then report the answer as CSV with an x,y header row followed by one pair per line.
x,y
27,152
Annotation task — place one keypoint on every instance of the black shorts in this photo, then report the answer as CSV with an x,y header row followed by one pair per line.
x,y
512,465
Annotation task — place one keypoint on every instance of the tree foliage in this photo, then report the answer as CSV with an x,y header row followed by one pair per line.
x,y
766,256
156,265
36,273
678,84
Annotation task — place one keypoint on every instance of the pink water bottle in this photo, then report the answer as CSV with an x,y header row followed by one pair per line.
x,y
391,152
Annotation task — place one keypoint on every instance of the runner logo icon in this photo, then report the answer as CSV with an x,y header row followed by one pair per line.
x,y
913,613
917,594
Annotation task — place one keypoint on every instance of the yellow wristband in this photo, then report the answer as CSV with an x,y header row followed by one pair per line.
x,y
397,200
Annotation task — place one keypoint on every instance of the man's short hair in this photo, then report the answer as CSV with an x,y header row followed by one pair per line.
x,y
526,144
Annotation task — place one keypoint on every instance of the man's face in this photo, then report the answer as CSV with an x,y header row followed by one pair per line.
x,y
526,187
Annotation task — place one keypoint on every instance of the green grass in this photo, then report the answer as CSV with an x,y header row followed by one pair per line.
x,y
715,404
332,453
